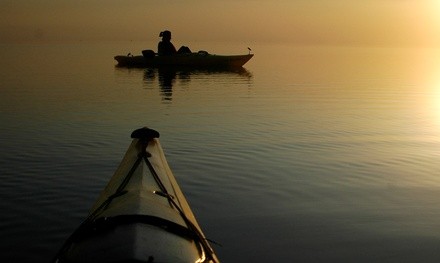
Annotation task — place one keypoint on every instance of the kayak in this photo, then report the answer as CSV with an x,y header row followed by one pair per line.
x,y
141,215
198,60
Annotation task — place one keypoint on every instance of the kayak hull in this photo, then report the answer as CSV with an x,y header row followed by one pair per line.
x,y
141,216
195,60
141,243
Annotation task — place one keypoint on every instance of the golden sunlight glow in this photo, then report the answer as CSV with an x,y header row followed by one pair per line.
x,y
432,12
435,104
431,98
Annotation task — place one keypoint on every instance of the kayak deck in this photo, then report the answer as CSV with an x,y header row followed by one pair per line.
x,y
141,215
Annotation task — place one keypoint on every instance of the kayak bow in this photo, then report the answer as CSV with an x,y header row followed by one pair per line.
x,y
141,215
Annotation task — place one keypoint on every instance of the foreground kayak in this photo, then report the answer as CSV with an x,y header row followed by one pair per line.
x,y
198,60
141,216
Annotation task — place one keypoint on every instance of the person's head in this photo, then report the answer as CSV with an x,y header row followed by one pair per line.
x,y
166,35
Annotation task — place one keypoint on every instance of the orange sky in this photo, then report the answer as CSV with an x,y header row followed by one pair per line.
x,y
336,22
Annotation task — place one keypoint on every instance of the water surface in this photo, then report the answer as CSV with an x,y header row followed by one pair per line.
x,y
308,154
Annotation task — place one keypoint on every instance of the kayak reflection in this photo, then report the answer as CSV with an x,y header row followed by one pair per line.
x,y
168,78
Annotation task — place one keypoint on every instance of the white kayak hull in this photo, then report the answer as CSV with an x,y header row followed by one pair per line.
x,y
141,215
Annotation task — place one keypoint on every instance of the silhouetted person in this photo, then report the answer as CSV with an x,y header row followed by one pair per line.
x,y
166,48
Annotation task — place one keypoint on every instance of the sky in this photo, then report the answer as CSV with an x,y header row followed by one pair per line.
x,y
317,22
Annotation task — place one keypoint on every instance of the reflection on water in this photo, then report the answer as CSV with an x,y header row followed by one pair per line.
x,y
167,78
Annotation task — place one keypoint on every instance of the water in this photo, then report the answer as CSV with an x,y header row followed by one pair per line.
x,y
309,154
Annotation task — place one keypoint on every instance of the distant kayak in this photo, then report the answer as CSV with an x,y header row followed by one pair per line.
x,y
141,216
197,60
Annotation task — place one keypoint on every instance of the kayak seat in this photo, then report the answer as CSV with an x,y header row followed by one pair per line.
x,y
148,53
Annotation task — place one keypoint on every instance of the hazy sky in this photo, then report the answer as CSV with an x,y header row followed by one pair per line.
x,y
348,22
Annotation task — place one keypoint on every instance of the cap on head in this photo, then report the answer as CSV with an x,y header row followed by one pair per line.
x,y
166,34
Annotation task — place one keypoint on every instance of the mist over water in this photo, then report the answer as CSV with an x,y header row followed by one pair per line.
x,y
308,154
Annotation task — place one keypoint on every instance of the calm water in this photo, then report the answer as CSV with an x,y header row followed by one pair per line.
x,y
309,154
